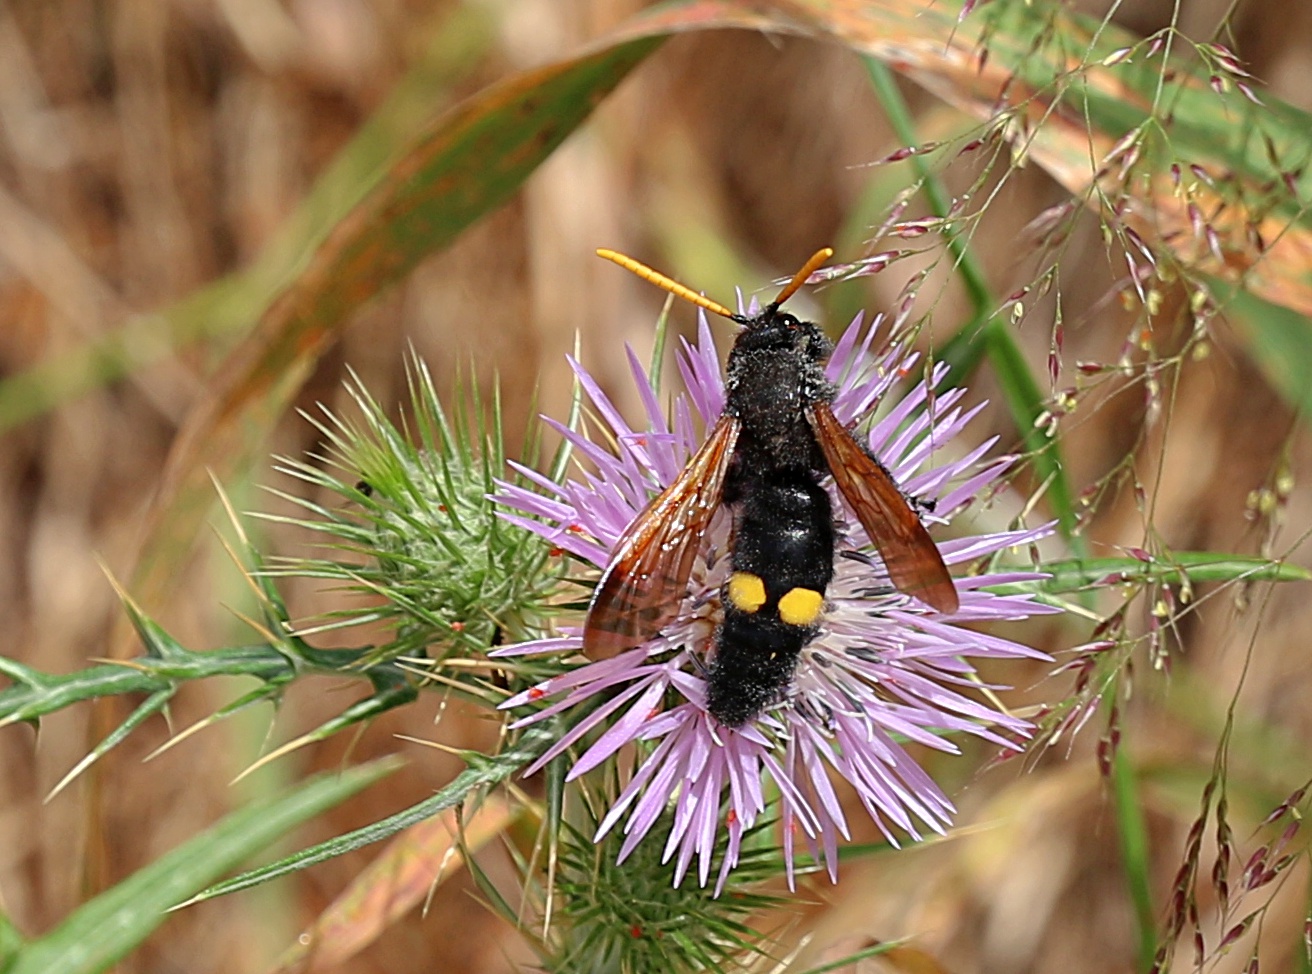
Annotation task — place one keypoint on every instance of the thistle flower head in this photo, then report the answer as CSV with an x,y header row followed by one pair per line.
x,y
883,670
421,541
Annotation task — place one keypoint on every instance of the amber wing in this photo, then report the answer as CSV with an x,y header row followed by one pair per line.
x,y
640,591
910,555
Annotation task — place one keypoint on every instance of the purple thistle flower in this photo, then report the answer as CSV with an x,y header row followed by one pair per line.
x,y
883,669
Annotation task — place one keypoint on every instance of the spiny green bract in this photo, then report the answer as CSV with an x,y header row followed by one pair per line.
x,y
630,918
418,537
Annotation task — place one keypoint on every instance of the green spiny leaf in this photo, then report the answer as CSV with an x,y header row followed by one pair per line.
x,y
152,705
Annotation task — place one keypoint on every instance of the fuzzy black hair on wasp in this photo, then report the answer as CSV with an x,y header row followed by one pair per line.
x,y
764,459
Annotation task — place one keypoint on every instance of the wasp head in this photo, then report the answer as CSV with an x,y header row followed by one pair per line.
x,y
781,333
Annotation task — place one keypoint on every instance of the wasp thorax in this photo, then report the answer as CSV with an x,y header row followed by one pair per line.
x,y
776,370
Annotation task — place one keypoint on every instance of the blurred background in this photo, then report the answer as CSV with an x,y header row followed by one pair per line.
x,y
150,149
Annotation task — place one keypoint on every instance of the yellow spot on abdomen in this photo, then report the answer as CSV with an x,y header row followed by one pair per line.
x,y
801,607
746,591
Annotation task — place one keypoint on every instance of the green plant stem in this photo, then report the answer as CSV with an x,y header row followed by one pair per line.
x,y
1133,833
985,334
36,694
1302,950
1078,574
904,125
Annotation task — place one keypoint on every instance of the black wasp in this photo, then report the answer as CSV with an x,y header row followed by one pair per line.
x,y
764,458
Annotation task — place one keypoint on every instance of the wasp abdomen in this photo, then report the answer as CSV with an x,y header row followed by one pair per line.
x,y
782,563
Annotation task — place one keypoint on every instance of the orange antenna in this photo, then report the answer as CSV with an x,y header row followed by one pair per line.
x,y
809,268
673,286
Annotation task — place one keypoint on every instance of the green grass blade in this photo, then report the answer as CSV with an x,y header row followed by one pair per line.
x,y
1077,98
985,333
904,126
1025,403
100,932
852,959
1132,829
1280,341
229,306
11,942
483,771
464,166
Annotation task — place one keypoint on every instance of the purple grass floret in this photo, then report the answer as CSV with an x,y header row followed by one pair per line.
x,y
884,671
